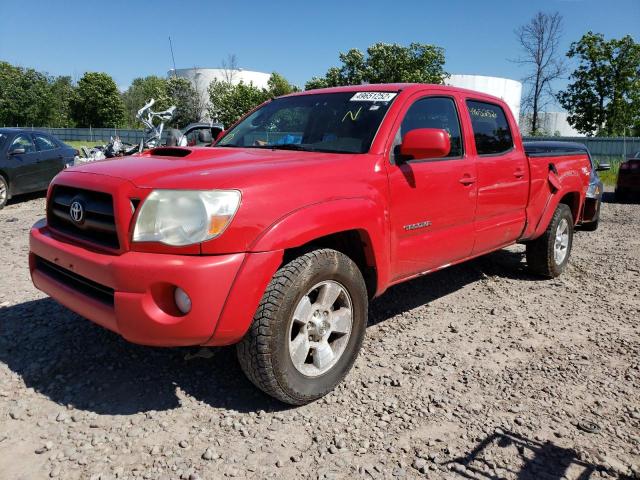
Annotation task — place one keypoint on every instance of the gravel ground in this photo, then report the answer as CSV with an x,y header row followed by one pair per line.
x,y
479,371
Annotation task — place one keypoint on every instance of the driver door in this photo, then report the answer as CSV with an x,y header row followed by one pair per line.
x,y
433,201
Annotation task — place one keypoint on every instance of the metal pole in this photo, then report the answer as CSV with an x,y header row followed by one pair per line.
x,y
173,59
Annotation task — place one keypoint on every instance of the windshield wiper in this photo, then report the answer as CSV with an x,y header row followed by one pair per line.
x,y
290,146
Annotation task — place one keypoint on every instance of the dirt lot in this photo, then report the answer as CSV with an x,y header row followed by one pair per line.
x,y
479,371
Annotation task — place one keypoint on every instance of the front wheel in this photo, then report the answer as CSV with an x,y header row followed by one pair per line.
x,y
549,254
308,329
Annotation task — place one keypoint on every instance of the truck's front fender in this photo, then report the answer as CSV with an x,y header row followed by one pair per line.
x,y
296,229
315,221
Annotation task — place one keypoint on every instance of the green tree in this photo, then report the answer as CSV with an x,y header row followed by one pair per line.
x,y
98,102
25,96
278,85
385,63
229,102
62,96
603,96
189,104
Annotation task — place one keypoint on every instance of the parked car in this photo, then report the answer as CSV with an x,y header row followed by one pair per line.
x,y
590,216
628,182
29,160
276,238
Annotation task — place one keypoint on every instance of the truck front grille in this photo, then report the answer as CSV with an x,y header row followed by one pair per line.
x,y
77,282
97,223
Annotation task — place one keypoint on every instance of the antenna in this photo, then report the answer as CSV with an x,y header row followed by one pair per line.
x,y
173,59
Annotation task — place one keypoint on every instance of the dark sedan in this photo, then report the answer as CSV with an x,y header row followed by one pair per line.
x,y
591,212
29,160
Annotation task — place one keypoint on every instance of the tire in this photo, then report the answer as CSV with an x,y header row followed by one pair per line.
x,y
285,319
541,252
4,192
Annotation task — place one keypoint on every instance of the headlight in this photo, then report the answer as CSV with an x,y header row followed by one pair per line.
x,y
185,217
593,190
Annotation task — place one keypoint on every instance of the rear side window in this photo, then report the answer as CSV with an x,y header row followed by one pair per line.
x,y
490,128
44,143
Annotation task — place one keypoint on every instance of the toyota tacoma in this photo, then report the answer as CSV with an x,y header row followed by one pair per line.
x,y
312,204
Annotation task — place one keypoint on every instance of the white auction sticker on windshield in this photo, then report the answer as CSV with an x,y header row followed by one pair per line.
x,y
373,97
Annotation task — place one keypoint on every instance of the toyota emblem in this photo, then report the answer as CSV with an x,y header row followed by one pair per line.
x,y
76,211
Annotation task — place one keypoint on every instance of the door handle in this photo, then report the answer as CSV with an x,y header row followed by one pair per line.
x,y
467,180
519,173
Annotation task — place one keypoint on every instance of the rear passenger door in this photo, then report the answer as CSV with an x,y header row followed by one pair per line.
x,y
503,177
51,160
24,164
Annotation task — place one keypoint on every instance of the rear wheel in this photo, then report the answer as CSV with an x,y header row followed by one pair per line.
x,y
549,254
4,192
308,329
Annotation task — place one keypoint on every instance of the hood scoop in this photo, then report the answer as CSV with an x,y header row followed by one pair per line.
x,y
167,152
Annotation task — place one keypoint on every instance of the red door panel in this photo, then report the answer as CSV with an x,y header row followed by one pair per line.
x,y
503,177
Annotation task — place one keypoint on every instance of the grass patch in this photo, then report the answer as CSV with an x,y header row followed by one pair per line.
x,y
83,143
609,177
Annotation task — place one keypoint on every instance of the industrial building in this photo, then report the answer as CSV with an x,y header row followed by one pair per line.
x,y
551,124
510,91
200,78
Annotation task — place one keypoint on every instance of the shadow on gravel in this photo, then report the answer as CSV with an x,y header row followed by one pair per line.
x,y
74,362
25,197
423,290
610,197
539,460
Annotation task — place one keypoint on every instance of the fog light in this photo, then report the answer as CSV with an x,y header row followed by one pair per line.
x,y
183,302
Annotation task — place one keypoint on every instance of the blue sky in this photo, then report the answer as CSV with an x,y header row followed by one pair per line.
x,y
299,39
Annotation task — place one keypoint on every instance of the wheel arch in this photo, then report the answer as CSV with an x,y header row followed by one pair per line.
x,y
354,226
5,176
572,198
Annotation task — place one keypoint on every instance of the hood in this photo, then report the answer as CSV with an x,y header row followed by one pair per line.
x,y
201,167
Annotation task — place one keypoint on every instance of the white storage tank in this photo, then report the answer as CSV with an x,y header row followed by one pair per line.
x,y
200,78
510,91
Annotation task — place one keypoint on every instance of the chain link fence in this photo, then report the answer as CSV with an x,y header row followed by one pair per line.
x,y
610,148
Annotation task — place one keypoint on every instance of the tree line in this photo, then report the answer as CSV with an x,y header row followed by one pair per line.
x,y
602,96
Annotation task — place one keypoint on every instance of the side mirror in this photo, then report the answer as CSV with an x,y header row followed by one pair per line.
x,y
17,151
426,143
603,167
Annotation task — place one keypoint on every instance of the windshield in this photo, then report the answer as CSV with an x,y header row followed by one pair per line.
x,y
327,122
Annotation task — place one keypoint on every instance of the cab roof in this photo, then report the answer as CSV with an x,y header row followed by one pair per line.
x,y
398,87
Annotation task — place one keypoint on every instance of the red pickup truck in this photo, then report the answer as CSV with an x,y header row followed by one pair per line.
x,y
276,238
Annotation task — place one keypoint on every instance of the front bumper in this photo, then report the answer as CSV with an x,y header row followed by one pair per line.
x,y
132,293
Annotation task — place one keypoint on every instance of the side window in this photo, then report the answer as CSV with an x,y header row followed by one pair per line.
x,y
44,143
490,128
22,141
433,112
